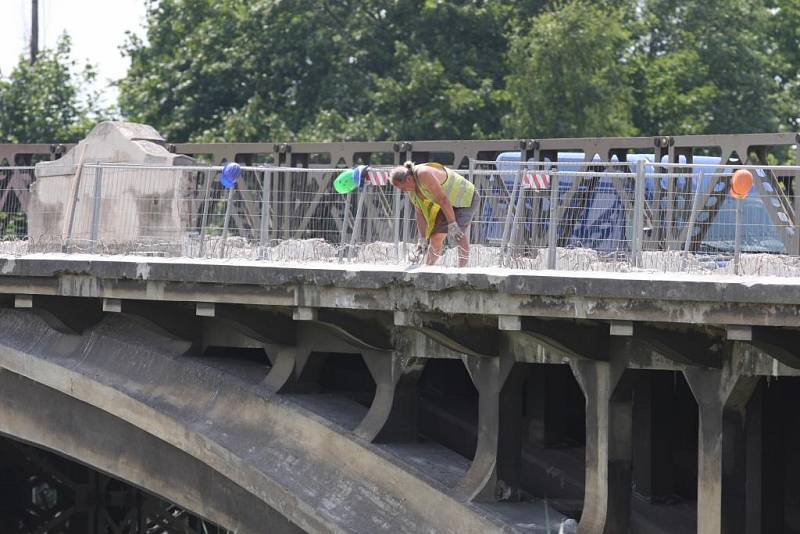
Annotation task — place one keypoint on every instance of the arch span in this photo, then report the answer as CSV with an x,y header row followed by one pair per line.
x,y
171,420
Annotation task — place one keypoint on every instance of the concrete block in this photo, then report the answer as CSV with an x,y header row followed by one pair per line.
x,y
402,318
512,323
304,314
23,301
112,305
205,309
739,332
621,328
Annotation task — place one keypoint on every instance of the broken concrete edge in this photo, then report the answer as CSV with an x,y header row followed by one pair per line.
x,y
640,286
136,412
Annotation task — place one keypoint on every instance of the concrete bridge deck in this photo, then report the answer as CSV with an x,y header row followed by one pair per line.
x,y
480,401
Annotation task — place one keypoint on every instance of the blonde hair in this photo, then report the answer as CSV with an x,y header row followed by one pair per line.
x,y
399,173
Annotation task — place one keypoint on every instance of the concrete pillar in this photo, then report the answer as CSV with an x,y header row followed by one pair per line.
x,y
607,495
722,396
394,410
284,359
489,375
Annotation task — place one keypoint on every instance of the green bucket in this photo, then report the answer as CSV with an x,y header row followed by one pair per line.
x,y
344,183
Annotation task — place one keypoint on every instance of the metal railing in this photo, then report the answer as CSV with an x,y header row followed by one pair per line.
x,y
610,216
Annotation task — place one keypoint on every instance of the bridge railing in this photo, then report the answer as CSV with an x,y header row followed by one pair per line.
x,y
573,215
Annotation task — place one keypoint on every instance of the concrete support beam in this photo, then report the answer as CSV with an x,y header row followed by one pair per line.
x,y
509,323
722,397
23,301
607,495
112,305
293,369
621,328
392,417
489,376
779,343
205,309
403,318
282,373
739,333
302,313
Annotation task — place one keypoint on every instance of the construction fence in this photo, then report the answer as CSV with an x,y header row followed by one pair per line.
x,y
570,215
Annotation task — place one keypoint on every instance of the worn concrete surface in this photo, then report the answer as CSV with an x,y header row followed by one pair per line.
x,y
663,297
291,460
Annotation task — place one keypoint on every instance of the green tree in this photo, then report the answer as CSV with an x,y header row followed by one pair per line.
x,y
784,27
49,101
263,69
569,76
704,67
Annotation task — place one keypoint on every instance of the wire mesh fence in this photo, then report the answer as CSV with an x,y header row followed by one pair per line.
x,y
570,215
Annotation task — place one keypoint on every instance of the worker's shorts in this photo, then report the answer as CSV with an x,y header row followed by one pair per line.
x,y
464,216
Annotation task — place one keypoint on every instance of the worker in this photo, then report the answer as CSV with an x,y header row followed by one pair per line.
x,y
445,203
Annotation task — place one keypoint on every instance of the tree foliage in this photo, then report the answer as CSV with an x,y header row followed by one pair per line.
x,y
50,100
705,67
320,69
325,70
433,69
569,74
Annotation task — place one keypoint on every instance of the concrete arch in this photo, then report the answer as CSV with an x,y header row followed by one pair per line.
x,y
320,478
52,420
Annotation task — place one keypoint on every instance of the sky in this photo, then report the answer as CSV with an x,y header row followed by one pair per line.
x,y
97,29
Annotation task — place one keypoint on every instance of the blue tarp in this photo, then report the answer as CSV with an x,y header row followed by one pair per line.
x,y
600,220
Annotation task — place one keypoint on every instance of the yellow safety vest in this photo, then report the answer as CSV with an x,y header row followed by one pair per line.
x,y
458,189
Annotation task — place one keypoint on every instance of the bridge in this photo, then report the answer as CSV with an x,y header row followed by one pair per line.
x,y
286,393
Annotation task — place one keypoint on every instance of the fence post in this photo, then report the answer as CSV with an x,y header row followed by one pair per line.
x,y
519,208
345,219
201,252
638,213
514,193
552,224
397,221
692,219
356,223
737,251
70,216
471,178
98,180
266,184
226,222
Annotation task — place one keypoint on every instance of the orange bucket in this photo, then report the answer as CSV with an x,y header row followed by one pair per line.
x,y
741,183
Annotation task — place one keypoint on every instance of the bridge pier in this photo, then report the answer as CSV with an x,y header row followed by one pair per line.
x,y
489,376
607,499
393,415
722,490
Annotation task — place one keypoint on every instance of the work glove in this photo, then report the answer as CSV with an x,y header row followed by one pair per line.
x,y
454,234
421,250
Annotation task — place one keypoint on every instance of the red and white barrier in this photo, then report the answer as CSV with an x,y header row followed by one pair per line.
x,y
377,177
537,182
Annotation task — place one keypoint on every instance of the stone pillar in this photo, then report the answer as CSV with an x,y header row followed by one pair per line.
x,y
607,495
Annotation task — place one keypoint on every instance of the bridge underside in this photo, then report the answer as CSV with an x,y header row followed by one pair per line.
x,y
42,491
308,404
